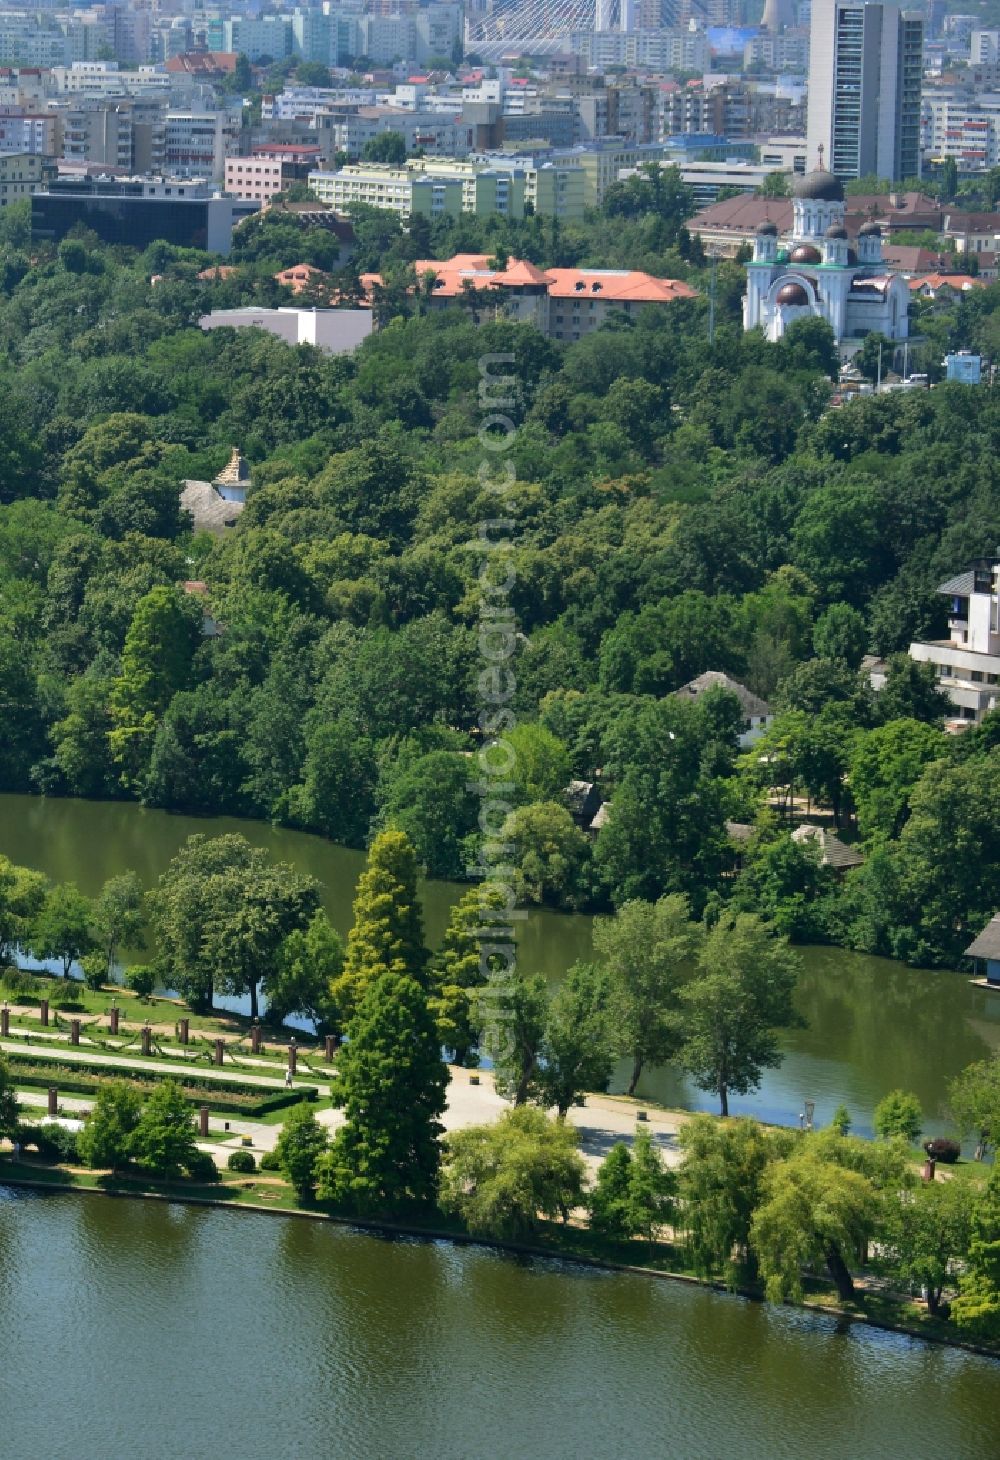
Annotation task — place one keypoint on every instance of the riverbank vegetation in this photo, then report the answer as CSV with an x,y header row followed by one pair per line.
x,y
678,506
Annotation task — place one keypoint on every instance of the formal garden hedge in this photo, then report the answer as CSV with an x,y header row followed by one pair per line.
x,y
80,1078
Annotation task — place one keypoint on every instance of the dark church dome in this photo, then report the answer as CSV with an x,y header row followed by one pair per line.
x,y
820,187
836,230
791,293
805,253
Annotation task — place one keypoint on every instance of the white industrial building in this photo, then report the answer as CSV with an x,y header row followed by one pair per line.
x,y
335,331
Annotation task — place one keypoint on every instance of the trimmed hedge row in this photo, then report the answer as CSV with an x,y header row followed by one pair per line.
x,y
79,1078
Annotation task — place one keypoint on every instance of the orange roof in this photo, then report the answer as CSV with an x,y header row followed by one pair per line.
x,y
465,270
623,284
520,271
298,277
960,282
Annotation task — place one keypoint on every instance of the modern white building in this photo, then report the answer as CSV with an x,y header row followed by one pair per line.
x,y
820,274
335,331
967,663
865,72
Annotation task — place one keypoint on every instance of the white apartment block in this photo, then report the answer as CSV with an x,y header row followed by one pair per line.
x,y
661,50
967,663
103,78
302,103
268,36
964,127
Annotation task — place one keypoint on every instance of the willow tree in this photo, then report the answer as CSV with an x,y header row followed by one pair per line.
x,y
812,1211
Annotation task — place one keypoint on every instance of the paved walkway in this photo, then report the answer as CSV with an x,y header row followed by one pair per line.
x,y
602,1121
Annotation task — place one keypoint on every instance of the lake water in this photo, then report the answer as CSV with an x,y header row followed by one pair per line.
x,y
143,1331
871,1025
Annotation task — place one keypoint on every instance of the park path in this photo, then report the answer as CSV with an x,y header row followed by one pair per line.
x,y
77,1054
601,1122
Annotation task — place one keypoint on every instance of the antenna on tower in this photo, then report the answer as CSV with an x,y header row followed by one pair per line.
x,y
819,163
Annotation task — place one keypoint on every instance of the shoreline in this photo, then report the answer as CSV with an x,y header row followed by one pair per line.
x,y
514,1249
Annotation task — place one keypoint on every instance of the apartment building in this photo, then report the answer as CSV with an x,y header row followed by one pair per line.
x,y
128,133
24,131
431,188
197,143
348,127
964,126
269,170
103,78
21,175
267,36
659,50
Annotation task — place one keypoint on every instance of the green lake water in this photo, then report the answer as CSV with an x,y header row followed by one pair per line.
x,y
145,1331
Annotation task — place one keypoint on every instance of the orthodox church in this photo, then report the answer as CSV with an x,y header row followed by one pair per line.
x,y
820,273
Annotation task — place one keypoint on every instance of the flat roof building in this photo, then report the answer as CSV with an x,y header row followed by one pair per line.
x,y
137,213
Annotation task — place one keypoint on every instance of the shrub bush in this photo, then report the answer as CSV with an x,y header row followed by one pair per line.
x,y
241,1161
19,984
202,1167
52,1142
66,999
944,1150
269,1161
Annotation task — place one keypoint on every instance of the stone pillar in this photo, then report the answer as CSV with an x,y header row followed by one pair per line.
x,y
113,1015
928,1170
53,1100
74,1031
293,1056
184,1030
256,1034
203,1121
43,1013
331,1048
147,1039
5,1021
220,1049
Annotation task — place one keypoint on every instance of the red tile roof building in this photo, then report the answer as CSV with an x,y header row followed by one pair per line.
x,y
563,303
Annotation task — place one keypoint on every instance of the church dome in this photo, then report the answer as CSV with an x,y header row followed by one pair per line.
x,y
768,228
870,230
791,293
836,230
805,253
820,187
